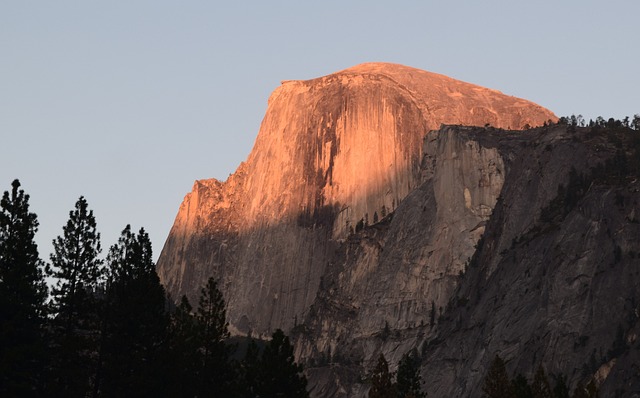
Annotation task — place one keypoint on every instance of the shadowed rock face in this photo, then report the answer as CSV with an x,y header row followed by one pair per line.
x,y
554,281
332,154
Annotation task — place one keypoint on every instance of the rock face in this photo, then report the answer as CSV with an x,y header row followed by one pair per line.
x,y
554,281
333,155
372,218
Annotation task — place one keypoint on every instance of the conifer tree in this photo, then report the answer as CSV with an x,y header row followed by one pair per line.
x,y
77,268
580,392
249,370
280,375
408,379
496,383
560,389
521,387
382,385
134,324
22,298
183,351
540,386
215,372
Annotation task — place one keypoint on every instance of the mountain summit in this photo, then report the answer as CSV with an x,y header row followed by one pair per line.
x,y
388,210
333,154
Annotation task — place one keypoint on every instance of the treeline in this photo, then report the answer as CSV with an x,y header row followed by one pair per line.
x,y
407,383
580,121
497,384
108,329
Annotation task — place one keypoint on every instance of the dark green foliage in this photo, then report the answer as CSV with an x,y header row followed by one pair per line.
x,y
408,380
75,327
134,321
183,351
590,391
201,356
212,331
580,392
496,382
22,298
110,333
382,385
75,262
386,332
567,197
540,386
249,371
560,388
280,375
432,314
521,387
635,124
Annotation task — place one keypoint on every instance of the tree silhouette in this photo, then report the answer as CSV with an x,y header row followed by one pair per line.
x,y
134,321
280,375
496,383
76,267
183,351
590,391
249,371
22,298
521,387
408,380
382,385
560,389
215,373
540,386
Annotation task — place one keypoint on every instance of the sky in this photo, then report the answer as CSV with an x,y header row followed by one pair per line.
x,y
127,103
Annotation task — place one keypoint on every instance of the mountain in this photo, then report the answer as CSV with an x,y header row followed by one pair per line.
x,y
333,154
384,209
522,244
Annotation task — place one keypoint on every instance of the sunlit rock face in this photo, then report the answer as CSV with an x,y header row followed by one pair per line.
x,y
334,154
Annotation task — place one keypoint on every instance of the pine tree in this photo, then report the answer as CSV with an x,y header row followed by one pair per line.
x,y
280,375
215,372
22,298
580,392
249,370
382,385
184,351
78,270
560,389
521,387
408,380
134,322
540,386
496,383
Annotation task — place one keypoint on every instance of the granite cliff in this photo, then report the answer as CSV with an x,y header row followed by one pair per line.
x,y
373,217
549,221
333,155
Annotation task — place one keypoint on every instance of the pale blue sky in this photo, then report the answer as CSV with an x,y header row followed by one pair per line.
x,y
127,103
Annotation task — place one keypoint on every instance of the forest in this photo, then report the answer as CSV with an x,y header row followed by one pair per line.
x,y
106,327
